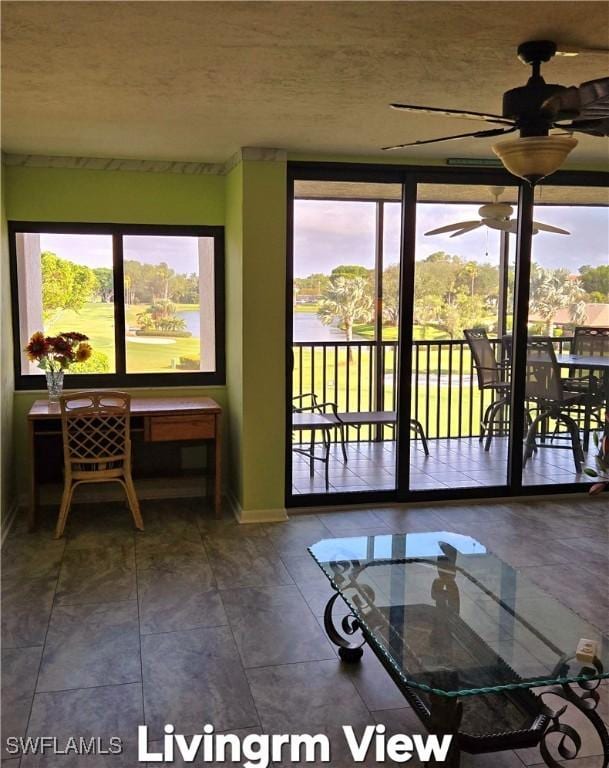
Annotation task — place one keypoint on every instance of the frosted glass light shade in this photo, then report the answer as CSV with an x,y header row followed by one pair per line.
x,y
534,157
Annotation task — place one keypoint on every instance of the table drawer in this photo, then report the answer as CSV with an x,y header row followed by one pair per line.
x,y
159,428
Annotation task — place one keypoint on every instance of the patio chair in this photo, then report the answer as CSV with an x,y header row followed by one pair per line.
x,y
492,377
96,447
317,417
593,342
544,388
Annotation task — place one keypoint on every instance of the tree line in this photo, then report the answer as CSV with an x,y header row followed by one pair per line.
x,y
67,285
451,294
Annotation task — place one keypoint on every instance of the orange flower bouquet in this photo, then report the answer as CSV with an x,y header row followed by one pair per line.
x,y
55,354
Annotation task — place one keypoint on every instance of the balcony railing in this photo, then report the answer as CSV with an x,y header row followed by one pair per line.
x,y
362,376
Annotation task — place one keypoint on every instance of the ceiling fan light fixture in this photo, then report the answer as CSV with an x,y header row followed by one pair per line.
x,y
534,157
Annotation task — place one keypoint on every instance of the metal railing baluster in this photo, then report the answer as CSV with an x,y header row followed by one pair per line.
x,y
314,361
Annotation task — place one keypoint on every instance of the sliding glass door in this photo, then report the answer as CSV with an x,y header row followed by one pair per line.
x,y
414,296
568,321
463,310
345,330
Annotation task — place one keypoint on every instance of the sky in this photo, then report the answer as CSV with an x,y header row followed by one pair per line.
x,y
180,253
329,233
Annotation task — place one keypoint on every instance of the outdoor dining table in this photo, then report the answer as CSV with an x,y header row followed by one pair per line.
x,y
589,363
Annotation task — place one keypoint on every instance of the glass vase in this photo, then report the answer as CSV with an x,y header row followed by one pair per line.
x,y
54,385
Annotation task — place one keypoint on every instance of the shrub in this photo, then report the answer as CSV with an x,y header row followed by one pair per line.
x,y
188,364
170,334
97,363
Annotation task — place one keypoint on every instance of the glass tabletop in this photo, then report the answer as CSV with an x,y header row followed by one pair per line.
x,y
453,619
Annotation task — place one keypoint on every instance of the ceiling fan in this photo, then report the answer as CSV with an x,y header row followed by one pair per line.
x,y
533,110
494,215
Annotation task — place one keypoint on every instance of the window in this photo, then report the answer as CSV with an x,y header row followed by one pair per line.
x,y
150,299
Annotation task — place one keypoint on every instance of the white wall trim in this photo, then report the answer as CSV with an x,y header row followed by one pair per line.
x,y
247,516
11,516
261,154
113,164
266,154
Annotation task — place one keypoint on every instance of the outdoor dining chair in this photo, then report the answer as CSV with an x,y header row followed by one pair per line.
x,y
588,341
492,377
545,391
96,447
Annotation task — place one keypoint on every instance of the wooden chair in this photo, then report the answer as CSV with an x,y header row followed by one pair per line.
x,y
96,447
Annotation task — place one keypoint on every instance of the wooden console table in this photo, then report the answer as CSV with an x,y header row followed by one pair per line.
x,y
156,419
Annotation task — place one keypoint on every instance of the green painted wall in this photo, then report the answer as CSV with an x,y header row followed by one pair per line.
x,y
234,326
59,194
264,238
7,483
126,197
255,236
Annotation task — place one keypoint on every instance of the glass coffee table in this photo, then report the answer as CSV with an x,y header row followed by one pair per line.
x,y
478,650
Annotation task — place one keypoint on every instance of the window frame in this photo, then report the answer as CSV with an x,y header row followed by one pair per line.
x,y
121,378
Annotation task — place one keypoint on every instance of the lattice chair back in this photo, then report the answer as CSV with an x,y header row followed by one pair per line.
x,y
543,380
485,361
591,341
95,428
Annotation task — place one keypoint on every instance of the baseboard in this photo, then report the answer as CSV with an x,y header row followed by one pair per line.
x,y
147,489
247,516
10,519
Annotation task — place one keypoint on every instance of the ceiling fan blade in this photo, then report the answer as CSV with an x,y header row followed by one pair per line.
x,y
472,225
504,225
451,227
570,51
453,113
537,226
475,135
589,101
598,127
549,228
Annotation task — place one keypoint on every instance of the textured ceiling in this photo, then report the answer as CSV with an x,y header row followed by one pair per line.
x,y
197,80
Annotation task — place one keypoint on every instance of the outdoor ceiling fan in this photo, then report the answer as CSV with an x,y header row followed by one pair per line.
x,y
494,215
533,110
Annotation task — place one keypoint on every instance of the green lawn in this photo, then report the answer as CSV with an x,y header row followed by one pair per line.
x,y
96,320
308,308
427,403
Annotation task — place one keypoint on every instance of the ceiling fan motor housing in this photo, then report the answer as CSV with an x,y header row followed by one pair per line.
x,y
524,105
495,211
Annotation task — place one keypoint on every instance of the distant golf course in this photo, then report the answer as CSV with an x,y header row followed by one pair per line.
x,y
144,353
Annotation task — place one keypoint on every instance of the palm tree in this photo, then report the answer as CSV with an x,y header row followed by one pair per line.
x,y
551,290
471,271
348,300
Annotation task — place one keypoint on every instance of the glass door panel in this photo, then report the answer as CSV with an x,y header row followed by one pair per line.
x,y
463,309
568,317
346,268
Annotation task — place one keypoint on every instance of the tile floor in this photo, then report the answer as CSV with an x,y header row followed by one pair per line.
x,y
197,620
452,463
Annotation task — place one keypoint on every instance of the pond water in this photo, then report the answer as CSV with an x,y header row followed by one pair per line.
x,y
308,327
193,321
